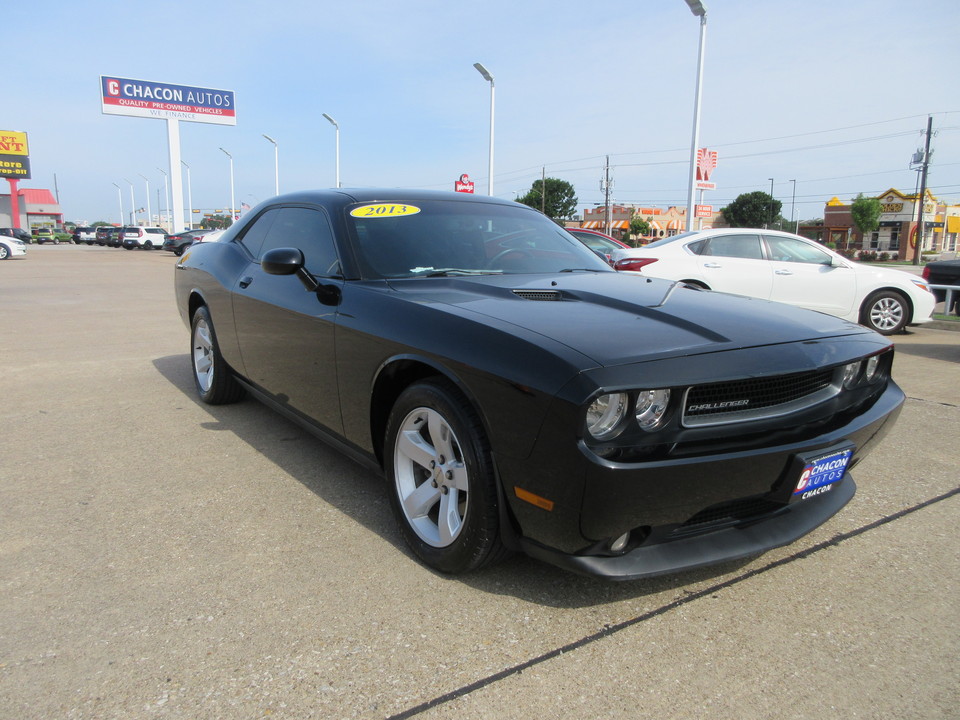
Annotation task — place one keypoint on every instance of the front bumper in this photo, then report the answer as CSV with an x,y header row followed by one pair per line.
x,y
743,493
724,545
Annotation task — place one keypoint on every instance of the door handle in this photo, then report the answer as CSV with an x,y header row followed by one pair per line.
x,y
782,272
244,282
712,265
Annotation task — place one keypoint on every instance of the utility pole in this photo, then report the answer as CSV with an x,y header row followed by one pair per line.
x,y
543,189
606,184
918,249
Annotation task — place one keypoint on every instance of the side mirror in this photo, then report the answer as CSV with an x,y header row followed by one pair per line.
x,y
282,261
288,261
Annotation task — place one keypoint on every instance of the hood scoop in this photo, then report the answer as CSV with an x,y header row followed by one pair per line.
x,y
539,295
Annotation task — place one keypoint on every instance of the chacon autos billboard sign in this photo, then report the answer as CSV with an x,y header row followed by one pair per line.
x,y
142,98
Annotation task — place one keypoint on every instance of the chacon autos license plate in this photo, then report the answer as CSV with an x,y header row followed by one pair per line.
x,y
820,473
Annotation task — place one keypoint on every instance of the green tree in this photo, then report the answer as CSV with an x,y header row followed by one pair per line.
x,y
559,202
752,210
216,222
865,212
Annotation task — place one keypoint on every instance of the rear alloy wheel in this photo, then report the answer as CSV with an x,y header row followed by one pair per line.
x,y
442,486
215,384
886,312
4,253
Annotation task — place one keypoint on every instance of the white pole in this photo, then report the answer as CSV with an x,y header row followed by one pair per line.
x,y
231,184
146,182
120,195
189,224
176,182
697,8
276,164
489,78
337,128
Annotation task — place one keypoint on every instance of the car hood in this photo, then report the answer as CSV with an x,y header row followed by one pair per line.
x,y
616,318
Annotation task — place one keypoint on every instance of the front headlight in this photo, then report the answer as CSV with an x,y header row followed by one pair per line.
x,y
605,416
850,373
651,408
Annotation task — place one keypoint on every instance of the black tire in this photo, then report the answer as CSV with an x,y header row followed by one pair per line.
x,y
460,479
886,312
148,245
212,377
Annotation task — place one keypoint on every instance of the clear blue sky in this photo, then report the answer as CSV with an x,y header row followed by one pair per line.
x,y
834,95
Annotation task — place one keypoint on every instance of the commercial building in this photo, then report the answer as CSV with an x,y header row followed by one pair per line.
x,y
38,209
898,230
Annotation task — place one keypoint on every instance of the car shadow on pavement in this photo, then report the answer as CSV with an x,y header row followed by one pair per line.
x,y
361,495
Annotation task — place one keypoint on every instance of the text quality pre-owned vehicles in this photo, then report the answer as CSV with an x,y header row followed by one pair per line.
x,y
146,238
787,268
518,393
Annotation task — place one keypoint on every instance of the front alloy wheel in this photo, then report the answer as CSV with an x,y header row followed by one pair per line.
x,y
886,312
215,384
443,490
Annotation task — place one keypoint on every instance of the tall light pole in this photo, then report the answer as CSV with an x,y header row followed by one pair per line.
x,y
120,196
276,164
166,197
700,10
793,205
146,182
337,128
231,183
489,78
133,205
189,198
771,204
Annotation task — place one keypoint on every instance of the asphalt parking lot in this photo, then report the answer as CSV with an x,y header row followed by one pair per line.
x,y
164,559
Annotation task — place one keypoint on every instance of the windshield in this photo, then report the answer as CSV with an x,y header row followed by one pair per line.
x,y
435,238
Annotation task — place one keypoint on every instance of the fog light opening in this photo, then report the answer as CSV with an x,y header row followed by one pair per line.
x,y
619,544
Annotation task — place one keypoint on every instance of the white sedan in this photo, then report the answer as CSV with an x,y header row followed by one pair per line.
x,y
786,268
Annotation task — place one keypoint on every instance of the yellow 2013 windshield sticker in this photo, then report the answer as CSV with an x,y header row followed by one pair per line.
x,y
383,210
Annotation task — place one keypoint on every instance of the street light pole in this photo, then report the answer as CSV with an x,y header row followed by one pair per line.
x,y
146,182
337,128
793,205
770,224
133,205
489,78
189,198
166,198
700,10
120,196
231,184
276,164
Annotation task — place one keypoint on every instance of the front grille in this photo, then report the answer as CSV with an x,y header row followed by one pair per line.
x,y
541,295
726,514
756,398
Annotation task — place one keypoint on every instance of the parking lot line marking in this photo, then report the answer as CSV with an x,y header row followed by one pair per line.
x,y
662,610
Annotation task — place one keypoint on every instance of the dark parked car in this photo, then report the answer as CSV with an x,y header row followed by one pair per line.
x,y
519,394
180,241
18,234
103,234
944,272
114,237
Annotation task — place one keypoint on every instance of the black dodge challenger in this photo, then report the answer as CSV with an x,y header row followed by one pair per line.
x,y
519,394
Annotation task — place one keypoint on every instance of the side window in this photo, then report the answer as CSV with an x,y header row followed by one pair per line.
x,y
308,230
253,238
735,246
790,250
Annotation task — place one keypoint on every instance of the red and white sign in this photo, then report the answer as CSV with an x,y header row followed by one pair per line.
x,y
464,184
703,211
706,164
